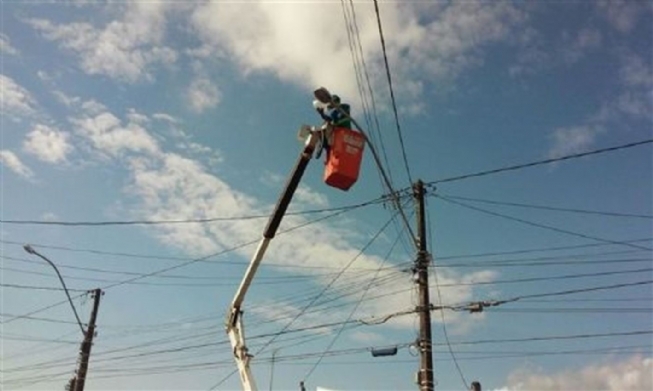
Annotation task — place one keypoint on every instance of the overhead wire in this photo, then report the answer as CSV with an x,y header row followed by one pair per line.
x,y
354,309
539,249
183,264
369,88
314,299
440,301
353,35
331,282
540,225
185,221
550,208
392,94
540,162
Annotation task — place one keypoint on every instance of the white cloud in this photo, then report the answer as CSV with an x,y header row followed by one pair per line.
x,y
106,133
49,216
125,49
5,45
586,40
93,107
633,374
635,72
310,198
48,144
9,159
573,139
66,100
203,94
307,43
165,117
16,101
623,15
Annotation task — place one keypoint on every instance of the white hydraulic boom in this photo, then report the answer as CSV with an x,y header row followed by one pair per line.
x,y
234,325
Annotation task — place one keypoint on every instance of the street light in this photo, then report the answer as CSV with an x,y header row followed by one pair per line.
x,y
323,95
30,250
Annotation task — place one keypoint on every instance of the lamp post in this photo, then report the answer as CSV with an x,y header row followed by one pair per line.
x,y
30,250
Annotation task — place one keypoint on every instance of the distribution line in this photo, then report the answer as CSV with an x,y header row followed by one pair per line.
x,y
584,290
544,226
369,88
442,317
392,94
540,249
315,298
331,282
540,162
353,311
183,264
551,208
185,221
17,317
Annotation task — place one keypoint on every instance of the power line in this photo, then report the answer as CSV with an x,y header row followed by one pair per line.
x,y
353,311
544,207
540,249
551,278
544,226
315,298
369,88
172,276
577,310
184,221
442,317
186,263
552,338
331,282
584,290
520,263
539,162
157,257
17,317
392,94
36,287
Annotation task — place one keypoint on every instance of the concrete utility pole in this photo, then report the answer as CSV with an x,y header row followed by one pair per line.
x,y
425,374
85,350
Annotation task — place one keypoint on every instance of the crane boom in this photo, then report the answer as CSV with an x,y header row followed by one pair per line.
x,y
234,324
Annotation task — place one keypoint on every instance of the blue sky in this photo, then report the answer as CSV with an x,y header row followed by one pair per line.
x,y
176,111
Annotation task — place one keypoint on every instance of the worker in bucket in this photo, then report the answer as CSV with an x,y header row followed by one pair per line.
x,y
332,114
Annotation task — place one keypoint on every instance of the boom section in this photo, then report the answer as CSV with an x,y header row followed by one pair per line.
x,y
234,325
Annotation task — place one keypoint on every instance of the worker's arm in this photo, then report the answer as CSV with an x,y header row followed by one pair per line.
x,y
323,115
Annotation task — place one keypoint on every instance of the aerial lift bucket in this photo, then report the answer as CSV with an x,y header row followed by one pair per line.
x,y
344,160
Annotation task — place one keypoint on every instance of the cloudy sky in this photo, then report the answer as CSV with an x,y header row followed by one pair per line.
x,y
123,112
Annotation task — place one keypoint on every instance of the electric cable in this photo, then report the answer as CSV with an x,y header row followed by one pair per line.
x,y
353,311
442,317
331,282
540,162
369,88
544,226
392,94
551,208
185,221
315,298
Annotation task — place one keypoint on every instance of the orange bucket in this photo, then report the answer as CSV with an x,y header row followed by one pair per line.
x,y
344,161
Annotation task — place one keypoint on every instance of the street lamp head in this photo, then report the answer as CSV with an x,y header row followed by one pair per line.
x,y
29,249
323,95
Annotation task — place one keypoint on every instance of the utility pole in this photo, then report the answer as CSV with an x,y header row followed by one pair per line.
x,y
425,374
85,350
